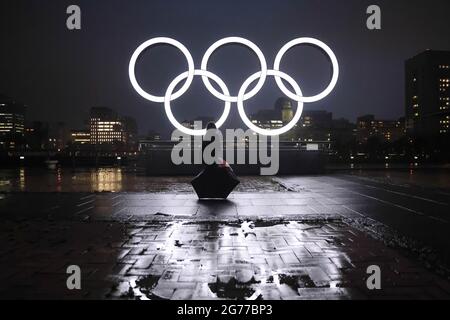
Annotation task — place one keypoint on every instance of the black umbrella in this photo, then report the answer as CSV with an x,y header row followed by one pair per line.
x,y
215,182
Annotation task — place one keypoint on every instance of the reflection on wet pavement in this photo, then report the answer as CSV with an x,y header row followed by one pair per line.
x,y
108,180
206,260
311,242
435,179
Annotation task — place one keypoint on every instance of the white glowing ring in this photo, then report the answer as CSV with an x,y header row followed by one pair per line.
x,y
243,95
257,129
151,42
167,99
334,63
245,42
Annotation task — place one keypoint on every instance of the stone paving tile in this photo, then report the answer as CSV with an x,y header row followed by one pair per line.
x,y
125,253
294,210
188,259
269,201
252,210
217,209
126,206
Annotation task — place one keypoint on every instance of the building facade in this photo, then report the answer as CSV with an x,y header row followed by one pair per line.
x,y
51,136
427,95
36,135
110,132
386,131
105,127
315,125
12,124
274,118
80,137
130,132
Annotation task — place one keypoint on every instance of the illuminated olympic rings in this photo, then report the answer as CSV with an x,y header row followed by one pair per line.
x,y
243,95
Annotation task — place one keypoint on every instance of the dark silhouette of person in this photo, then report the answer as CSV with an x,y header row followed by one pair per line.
x,y
217,180
209,126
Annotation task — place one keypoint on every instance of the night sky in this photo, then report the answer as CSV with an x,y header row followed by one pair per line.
x,y
60,74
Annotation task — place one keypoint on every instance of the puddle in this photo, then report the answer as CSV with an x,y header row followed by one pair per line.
x,y
147,285
241,275
296,281
269,223
232,288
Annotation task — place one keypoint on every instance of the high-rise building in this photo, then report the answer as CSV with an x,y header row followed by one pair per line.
x,y
315,125
130,132
58,136
41,135
12,124
274,118
105,127
385,130
427,90
316,118
343,132
36,135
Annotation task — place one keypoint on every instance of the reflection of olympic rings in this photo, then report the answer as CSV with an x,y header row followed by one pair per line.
x,y
242,95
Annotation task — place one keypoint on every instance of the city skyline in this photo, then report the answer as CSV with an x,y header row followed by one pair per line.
x,y
265,112
314,164
422,129
74,71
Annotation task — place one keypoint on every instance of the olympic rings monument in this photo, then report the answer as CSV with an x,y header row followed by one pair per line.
x,y
243,95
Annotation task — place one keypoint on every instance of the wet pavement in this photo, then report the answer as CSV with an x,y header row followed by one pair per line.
x,y
205,260
421,213
114,179
296,239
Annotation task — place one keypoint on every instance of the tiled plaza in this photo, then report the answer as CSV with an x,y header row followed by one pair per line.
x,y
294,242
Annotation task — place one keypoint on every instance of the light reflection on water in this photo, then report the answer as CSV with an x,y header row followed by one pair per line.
x,y
22,179
111,179
115,179
107,180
